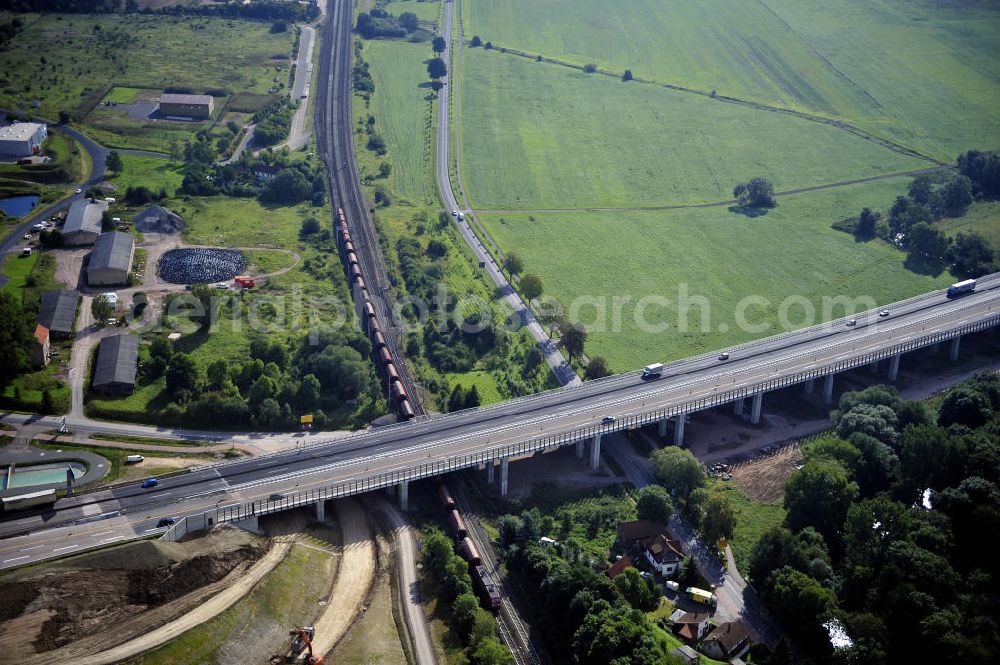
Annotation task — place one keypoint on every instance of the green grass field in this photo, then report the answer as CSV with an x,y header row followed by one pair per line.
x,y
537,135
17,268
982,218
753,518
151,172
717,254
235,222
85,55
924,73
403,117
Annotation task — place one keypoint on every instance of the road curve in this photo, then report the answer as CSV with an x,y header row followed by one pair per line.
x,y
409,589
560,367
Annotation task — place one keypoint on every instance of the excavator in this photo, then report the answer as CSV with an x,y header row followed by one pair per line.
x,y
301,639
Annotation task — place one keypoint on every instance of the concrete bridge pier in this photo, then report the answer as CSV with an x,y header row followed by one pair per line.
x,y
894,367
579,449
953,352
738,406
320,510
595,452
490,471
807,387
404,495
874,367
828,389
679,430
663,428
758,400
504,463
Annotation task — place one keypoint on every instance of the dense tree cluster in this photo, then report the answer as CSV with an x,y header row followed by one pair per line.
x,y
885,531
15,338
580,612
271,388
474,626
378,23
272,122
910,221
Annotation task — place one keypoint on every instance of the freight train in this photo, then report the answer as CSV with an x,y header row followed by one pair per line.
x,y
399,400
483,582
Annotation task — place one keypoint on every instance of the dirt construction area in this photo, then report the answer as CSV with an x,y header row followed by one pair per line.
x,y
764,478
96,601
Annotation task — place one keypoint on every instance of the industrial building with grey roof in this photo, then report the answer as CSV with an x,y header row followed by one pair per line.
x,y
57,311
83,221
114,371
111,259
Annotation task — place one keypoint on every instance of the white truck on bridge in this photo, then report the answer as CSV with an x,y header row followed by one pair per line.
x,y
967,286
652,371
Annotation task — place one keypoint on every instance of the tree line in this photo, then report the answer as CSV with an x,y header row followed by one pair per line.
x,y
886,531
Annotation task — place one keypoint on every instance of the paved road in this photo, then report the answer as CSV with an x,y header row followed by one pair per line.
x,y
562,369
736,599
432,446
298,135
406,558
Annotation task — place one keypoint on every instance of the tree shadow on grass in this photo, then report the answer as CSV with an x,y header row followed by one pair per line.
x,y
924,266
748,211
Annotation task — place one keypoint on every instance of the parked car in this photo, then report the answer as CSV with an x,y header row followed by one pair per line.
x,y
221,285
150,482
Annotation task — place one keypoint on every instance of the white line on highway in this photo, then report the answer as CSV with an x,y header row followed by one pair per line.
x,y
63,549
111,540
164,494
17,558
102,533
151,530
36,547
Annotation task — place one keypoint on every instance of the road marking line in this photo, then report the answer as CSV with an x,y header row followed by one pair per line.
x,y
17,558
102,533
63,549
36,547
111,540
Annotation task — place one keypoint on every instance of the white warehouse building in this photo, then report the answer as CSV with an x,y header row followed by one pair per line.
x,y
22,139
83,221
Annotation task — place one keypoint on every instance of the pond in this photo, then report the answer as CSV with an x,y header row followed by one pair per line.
x,y
16,206
194,266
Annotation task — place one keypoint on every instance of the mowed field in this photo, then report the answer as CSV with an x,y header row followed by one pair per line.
x,y
539,135
924,73
707,253
403,117
69,61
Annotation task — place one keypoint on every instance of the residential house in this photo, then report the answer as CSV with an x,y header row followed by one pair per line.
x,y
40,347
663,554
618,567
690,626
729,640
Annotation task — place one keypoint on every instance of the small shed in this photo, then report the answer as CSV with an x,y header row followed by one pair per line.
x,y
56,312
40,347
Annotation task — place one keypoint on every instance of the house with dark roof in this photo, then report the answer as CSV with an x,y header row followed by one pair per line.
x,y
117,359
618,567
83,221
57,311
111,259
649,539
729,640
40,347
186,106
690,626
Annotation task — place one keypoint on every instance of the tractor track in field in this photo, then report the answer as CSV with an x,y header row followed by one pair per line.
x,y
712,204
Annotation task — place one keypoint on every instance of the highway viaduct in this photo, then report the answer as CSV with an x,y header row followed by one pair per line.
x,y
396,455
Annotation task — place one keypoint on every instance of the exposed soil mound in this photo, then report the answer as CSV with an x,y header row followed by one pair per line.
x,y
92,593
192,266
157,219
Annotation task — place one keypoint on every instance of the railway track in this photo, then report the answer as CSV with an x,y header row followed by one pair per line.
x,y
334,135
514,633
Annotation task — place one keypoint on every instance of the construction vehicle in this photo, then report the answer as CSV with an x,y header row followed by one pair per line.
x,y
301,640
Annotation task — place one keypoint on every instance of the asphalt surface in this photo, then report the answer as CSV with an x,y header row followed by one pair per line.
x,y
568,413
562,369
